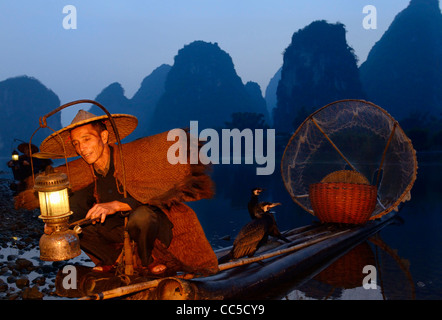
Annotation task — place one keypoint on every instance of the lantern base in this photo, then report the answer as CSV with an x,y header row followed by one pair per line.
x,y
62,244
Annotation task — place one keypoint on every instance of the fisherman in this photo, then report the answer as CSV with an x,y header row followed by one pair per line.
x,y
21,168
146,223
149,197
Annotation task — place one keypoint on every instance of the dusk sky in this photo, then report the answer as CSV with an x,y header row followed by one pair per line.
x,y
124,41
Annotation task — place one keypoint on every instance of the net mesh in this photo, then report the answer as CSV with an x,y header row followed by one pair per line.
x,y
351,135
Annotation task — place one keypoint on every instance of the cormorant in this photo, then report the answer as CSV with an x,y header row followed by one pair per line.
x,y
256,208
253,235
254,202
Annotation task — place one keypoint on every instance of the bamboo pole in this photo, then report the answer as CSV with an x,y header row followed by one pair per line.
x,y
122,291
332,143
233,264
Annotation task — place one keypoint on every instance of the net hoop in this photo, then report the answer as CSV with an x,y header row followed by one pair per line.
x,y
392,167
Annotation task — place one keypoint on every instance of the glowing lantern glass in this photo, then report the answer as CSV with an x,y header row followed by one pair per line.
x,y
62,243
53,203
15,156
53,194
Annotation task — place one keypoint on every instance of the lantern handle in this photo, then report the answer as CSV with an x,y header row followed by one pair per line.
x,y
43,124
30,153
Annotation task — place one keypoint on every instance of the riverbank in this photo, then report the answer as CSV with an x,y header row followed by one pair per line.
x,y
23,276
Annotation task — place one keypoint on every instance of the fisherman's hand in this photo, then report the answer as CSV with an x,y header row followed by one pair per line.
x,y
100,211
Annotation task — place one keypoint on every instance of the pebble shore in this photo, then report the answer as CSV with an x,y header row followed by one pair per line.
x,y
23,276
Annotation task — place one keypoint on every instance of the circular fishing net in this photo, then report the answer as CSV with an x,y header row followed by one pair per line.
x,y
351,135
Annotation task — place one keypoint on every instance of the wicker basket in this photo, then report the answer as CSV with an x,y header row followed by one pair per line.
x,y
342,201
348,176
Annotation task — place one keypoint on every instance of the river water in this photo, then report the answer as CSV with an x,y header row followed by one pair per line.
x,y
406,255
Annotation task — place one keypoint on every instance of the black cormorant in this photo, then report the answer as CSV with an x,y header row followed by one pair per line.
x,y
252,236
256,208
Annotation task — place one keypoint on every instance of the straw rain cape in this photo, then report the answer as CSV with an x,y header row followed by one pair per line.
x,y
150,178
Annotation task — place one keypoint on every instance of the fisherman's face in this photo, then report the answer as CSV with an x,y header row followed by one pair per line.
x,y
90,144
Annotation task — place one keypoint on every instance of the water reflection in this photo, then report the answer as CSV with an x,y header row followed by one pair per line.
x,y
343,279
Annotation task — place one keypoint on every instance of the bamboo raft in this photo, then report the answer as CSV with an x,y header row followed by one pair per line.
x,y
310,250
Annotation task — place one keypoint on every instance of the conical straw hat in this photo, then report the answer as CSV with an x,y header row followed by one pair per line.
x,y
53,144
23,147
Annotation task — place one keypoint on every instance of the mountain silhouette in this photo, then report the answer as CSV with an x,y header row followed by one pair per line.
x,y
403,71
202,85
318,68
146,98
270,93
23,100
259,103
113,99
141,105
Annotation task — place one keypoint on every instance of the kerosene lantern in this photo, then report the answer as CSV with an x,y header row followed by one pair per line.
x,y
63,243
15,155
